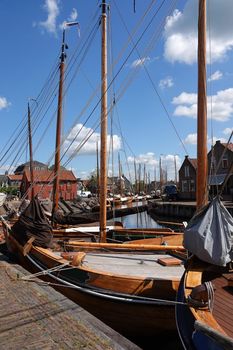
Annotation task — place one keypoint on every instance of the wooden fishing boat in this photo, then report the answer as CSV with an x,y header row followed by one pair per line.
x,y
205,315
131,288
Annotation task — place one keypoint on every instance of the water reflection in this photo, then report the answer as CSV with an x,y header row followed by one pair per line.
x,y
140,220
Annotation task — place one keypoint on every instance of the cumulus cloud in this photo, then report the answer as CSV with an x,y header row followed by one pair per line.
x,y
227,131
151,162
215,76
52,9
166,83
191,139
147,158
4,103
220,105
83,140
181,32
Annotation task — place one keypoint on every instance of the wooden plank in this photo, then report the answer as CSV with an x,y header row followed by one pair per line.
x,y
127,246
169,261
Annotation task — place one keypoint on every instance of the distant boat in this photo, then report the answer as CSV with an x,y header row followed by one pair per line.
x,y
204,313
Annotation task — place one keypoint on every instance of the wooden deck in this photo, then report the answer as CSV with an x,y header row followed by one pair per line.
x,y
223,304
34,316
137,265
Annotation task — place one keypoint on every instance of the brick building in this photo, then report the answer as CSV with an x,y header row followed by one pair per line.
x,y
43,184
187,179
220,160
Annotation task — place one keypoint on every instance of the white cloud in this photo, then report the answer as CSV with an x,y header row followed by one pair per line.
x,y
215,76
186,98
73,15
220,105
147,158
227,131
213,141
89,146
51,6
191,139
140,62
151,163
4,103
166,83
181,32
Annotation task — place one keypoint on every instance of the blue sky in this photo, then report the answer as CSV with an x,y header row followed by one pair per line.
x,y
155,85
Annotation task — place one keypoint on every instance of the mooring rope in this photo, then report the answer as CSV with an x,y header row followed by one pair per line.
x,y
47,271
92,290
210,292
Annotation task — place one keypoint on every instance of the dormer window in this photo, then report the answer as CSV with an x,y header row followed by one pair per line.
x,y
225,162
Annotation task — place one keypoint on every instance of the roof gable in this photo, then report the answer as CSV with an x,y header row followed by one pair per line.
x,y
48,175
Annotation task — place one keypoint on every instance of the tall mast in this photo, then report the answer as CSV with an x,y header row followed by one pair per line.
x,y
135,174
97,169
160,172
58,130
119,173
30,152
144,178
139,177
202,110
103,156
175,169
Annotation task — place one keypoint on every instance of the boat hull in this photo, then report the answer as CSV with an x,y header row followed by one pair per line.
x,y
124,313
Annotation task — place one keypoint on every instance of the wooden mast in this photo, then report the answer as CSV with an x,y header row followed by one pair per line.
x,y
97,170
135,174
58,129
202,110
160,172
175,170
103,156
30,151
119,173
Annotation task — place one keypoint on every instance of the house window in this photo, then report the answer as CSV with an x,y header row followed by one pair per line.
x,y
186,171
192,186
225,162
184,186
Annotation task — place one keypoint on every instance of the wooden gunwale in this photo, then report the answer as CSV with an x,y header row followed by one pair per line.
x,y
193,278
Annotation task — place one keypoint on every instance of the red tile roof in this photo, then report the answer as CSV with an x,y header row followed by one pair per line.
x,y
15,177
47,175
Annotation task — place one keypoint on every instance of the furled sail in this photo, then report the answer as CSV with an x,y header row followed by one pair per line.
x,y
33,223
209,234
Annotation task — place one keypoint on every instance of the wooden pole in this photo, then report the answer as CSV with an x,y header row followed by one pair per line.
x,y
175,169
119,174
30,152
58,129
202,110
135,174
97,170
126,246
103,156
160,172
